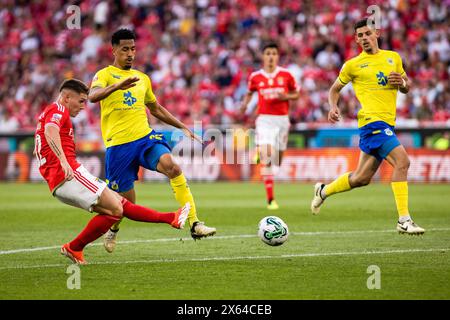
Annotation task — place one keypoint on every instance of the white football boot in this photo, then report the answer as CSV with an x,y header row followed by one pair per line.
x,y
199,230
317,200
109,240
409,227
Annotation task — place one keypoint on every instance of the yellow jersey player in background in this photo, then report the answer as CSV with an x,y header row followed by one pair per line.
x,y
376,76
124,94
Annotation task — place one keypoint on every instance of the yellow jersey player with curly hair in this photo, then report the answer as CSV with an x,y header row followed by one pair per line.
x,y
124,95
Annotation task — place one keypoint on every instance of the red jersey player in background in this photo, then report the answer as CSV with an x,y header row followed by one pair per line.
x,y
72,184
276,86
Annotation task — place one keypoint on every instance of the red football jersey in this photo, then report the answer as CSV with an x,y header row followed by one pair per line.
x,y
268,87
49,166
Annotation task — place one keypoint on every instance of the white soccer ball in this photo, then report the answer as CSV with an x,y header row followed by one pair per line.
x,y
273,231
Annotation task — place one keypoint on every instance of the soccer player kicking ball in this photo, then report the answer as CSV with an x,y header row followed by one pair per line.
x,y
376,76
124,95
72,184
276,86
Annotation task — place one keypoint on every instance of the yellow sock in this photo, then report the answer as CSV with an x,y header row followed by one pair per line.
x,y
341,184
183,194
400,190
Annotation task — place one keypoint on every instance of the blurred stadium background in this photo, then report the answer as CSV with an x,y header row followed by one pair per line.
x,y
199,54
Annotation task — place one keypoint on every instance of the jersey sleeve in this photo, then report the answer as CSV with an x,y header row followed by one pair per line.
x,y
345,75
292,83
149,95
56,117
399,66
251,84
100,80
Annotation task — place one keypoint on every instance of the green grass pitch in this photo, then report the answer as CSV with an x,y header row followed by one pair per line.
x,y
325,257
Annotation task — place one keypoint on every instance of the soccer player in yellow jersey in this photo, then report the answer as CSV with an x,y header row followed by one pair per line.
x,y
376,76
124,94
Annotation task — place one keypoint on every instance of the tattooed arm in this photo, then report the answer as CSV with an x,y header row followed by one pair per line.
x,y
54,141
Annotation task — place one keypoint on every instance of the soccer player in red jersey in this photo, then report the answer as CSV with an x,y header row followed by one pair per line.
x,y
276,86
72,184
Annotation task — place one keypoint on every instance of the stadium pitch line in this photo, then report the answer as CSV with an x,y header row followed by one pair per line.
x,y
238,236
125,242
208,259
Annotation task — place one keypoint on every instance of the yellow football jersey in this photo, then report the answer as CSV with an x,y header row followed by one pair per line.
x,y
368,74
123,113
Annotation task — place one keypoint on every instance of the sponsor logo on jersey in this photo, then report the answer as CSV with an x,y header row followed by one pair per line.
x,y
364,65
128,98
115,76
280,81
382,79
390,61
271,93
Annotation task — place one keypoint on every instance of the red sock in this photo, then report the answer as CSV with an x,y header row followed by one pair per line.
x,y
97,226
268,184
138,213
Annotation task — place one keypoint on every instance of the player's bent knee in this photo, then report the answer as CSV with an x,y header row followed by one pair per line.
x,y
265,151
266,158
110,204
173,171
117,210
404,165
360,181
168,167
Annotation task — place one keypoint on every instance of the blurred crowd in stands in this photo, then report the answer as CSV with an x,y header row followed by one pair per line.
x,y
199,53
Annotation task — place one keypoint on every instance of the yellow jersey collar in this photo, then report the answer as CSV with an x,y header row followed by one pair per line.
x,y
121,70
365,54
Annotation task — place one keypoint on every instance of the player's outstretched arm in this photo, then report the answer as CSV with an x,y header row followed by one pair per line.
x,y
97,93
161,113
54,142
334,114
